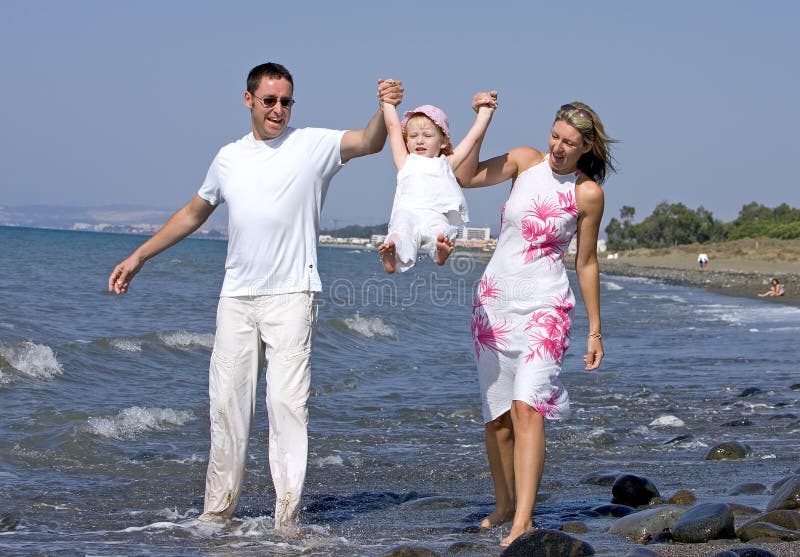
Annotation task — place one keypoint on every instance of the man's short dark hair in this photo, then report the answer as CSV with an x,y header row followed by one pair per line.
x,y
270,69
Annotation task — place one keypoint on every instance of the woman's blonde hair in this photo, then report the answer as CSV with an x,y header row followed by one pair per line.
x,y
597,162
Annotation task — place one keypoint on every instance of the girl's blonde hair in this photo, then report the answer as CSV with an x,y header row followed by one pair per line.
x,y
448,148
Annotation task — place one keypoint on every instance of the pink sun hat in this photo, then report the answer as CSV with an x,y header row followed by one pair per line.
x,y
436,114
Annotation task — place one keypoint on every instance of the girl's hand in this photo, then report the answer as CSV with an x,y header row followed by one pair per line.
x,y
486,99
390,91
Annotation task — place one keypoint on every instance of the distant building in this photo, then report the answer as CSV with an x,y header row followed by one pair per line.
x,y
467,233
573,245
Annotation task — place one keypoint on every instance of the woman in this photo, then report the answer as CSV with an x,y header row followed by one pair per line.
x,y
776,289
521,313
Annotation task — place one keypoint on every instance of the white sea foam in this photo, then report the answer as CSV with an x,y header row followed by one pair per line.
x,y
7,326
34,360
135,420
611,285
185,340
667,421
369,327
325,461
126,344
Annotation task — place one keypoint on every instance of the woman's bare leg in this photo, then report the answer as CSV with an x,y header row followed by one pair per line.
x,y
529,451
500,451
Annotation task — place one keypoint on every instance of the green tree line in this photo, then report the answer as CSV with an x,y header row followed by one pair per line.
x,y
673,224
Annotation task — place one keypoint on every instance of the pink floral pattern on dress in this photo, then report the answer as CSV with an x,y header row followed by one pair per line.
x,y
567,203
548,332
551,407
541,226
487,290
487,335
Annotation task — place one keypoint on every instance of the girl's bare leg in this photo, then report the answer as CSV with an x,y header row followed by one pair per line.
x,y
444,247
387,254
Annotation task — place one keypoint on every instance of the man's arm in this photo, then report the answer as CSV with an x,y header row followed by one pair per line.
x,y
186,220
357,143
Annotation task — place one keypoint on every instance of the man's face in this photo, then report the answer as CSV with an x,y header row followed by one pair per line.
x,y
269,122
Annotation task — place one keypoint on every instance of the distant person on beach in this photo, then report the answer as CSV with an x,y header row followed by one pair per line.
x,y
776,289
702,261
521,313
274,181
429,207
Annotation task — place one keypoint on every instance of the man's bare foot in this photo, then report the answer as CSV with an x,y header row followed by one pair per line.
x,y
387,253
516,531
444,247
496,519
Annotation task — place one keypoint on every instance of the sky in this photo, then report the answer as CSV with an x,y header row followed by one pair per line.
x,y
123,102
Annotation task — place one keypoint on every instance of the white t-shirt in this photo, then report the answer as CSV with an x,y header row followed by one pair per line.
x,y
275,191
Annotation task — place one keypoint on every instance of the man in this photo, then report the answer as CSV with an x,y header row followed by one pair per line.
x,y
274,180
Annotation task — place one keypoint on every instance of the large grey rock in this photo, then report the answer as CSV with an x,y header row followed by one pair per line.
x,y
644,525
748,489
782,517
704,522
756,530
787,497
633,490
728,451
547,543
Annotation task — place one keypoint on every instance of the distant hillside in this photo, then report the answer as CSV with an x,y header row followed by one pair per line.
x,y
355,231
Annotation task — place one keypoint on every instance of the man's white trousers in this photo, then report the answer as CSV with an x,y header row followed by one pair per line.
x,y
250,330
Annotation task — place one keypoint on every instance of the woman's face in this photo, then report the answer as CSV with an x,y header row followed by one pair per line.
x,y
566,147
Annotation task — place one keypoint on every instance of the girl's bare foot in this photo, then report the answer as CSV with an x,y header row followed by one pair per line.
x,y
387,253
444,247
516,531
496,519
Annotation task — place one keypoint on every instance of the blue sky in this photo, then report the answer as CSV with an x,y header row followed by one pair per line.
x,y
113,102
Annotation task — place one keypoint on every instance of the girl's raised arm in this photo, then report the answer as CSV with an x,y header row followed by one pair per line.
x,y
396,141
487,103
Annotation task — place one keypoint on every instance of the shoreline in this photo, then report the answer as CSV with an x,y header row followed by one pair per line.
x,y
737,283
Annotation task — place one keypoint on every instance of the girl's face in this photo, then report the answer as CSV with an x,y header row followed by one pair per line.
x,y
566,147
424,138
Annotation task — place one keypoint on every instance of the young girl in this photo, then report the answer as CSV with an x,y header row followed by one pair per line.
x,y
428,204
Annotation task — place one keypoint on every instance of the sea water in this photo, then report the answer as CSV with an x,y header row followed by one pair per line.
x,y
104,404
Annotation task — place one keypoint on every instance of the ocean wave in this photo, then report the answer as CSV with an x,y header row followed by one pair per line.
x,y
369,327
126,344
133,421
184,340
611,285
667,421
34,360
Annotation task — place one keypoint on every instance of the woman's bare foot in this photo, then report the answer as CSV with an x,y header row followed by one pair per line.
x,y
387,253
496,519
444,247
516,531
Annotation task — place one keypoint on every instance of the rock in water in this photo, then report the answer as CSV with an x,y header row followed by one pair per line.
x,y
787,497
633,491
782,517
766,530
547,543
8,522
704,522
644,525
728,451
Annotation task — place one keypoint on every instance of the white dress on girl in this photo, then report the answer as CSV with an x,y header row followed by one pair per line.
x,y
521,313
427,202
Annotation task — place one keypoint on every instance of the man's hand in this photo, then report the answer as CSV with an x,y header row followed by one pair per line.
x,y
390,91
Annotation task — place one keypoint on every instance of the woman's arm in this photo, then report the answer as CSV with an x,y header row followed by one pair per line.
x,y
590,199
